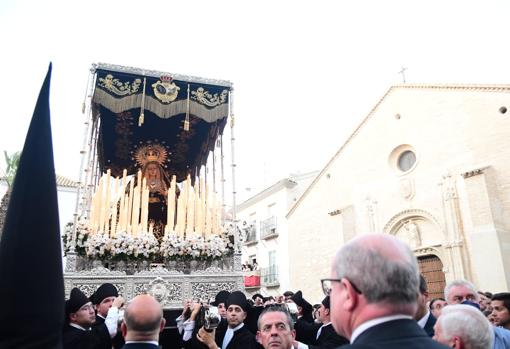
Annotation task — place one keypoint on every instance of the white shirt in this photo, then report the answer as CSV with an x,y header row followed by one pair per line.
x,y
229,335
371,323
320,329
423,321
148,342
111,321
78,326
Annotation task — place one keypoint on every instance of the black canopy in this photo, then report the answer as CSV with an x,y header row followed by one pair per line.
x,y
167,101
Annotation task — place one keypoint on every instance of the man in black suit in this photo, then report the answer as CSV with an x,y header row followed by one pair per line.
x,y
143,321
107,303
326,337
374,289
236,335
423,315
79,316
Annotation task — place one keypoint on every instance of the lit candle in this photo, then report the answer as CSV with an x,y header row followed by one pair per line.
x,y
213,214
201,224
179,215
190,212
113,232
129,219
122,216
170,209
93,214
107,203
145,205
136,211
125,214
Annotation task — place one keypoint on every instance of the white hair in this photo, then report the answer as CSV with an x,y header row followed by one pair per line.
x,y
467,323
381,279
464,283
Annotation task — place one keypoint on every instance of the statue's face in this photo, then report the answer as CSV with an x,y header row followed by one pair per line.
x,y
152,171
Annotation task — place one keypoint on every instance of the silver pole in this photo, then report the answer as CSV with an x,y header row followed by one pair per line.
x,y
81,183
237,242
87,195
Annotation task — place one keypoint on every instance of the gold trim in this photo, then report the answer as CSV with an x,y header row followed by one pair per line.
x,y
166,92
119,88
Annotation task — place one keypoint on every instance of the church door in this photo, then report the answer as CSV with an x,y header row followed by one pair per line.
x,y
431,268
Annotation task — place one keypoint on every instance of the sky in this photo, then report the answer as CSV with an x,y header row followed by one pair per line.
x,y
305,73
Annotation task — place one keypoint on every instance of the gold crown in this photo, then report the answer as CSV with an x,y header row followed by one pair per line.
x,y
152,152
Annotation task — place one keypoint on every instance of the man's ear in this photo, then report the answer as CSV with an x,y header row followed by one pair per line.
x,y
162,325
327,311
457,342
257,337
123,329
350,296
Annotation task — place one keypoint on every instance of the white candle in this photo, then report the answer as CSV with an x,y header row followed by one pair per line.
x,y
122,216
129,219
136,211
107,203
208,205
113,232
145,205
100,204
190,212
170,207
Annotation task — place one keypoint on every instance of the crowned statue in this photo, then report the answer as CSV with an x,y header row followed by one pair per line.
x,y
151,159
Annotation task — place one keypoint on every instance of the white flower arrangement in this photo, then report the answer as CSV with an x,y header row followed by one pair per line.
x,y
98,245
145,246
195,247
82,234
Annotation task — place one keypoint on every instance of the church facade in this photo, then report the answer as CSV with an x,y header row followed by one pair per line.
x,y
430,165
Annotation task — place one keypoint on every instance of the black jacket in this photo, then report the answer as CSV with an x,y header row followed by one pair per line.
x,y
328,339
396,334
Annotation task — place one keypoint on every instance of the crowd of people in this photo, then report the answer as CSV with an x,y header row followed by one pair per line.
x,y
374,298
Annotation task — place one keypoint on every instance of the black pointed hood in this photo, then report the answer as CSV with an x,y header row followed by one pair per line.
x,y
32,288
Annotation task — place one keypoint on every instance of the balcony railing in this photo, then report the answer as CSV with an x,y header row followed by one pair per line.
x,y
268,228
270,276
250,235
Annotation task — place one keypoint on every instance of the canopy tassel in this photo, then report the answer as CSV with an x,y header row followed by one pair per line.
x,y
186,121
142,116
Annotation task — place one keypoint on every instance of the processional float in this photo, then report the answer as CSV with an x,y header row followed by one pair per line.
x,y
150,211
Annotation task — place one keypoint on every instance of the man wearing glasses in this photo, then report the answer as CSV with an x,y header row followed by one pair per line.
x,y
80,316
373,293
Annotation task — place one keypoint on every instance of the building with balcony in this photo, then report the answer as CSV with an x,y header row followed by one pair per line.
x,y
429,165
266,236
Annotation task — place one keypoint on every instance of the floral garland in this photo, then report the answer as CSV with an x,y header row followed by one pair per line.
x,y
146,247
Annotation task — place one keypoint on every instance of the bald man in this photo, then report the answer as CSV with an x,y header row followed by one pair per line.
x,y
143,321
373,293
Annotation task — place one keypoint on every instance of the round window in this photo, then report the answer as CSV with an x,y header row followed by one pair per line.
x,y
406,161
